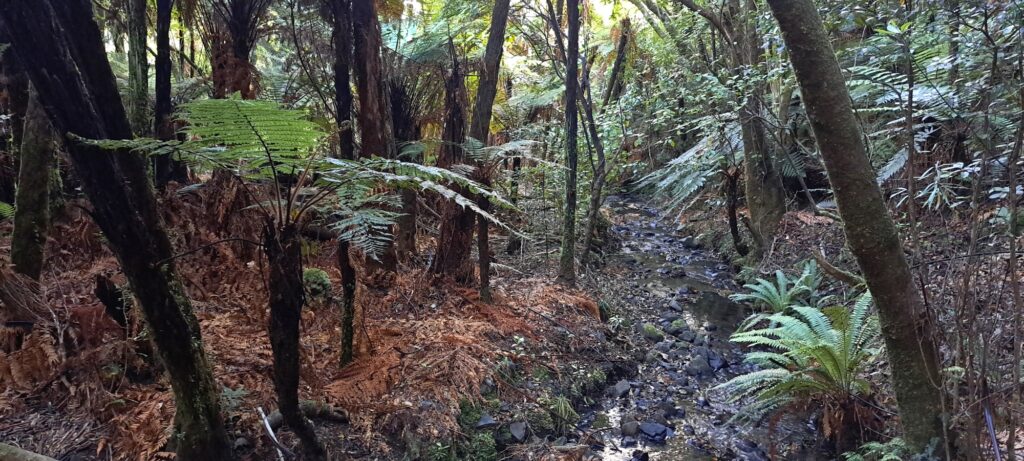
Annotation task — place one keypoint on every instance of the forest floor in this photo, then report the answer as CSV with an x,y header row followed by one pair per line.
x,y
438,374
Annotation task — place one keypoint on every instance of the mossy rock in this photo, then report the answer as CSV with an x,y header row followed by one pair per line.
x,y
651,332
679,324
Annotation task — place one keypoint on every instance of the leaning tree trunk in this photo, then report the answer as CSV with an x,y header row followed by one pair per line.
x,y
456,234
870,232
283,248
61,48
32,202
138,68
342,38
165,168
567,260
378,137
479,128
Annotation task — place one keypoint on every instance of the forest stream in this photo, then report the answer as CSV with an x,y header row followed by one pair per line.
x,y
670,409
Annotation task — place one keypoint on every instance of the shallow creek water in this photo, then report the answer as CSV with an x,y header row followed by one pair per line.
x,y
682,289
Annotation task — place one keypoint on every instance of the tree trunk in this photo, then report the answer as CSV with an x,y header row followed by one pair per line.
x,y
407,130
600,171
342,38
165,168
765,195
455,238
375,125
15,87
615,78
479,129
32,207
567,260
870,231
138,68
60,47
283,248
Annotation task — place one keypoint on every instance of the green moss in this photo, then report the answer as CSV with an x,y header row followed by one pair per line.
x,y
480,446
469,414
651,332
317,283
601,421
679,324
541,422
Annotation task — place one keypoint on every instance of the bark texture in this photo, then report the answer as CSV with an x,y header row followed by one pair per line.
x,y
138,68
283,248
567,260
375,124
61,48
32,201
342,37
870,232
456,235
165,168
479,128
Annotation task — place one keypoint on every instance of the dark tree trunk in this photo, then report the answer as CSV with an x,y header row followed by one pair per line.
x,y
165,168
487,90
567,263
870,232
342,37
456,234
615,78
61,49
377,133
138,68
407,129
15,86
32,202
283,248
600,171
732,197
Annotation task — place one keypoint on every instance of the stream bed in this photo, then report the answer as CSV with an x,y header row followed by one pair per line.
x,y
673,298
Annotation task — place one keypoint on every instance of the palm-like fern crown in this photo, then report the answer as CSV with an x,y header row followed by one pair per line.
x,y
807,354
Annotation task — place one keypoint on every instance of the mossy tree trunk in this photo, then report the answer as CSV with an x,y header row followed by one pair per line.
x,y
60,46
32,202
479,128
567,259
870,231
283,248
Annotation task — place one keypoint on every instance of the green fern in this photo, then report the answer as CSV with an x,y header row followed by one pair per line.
x,y
806,354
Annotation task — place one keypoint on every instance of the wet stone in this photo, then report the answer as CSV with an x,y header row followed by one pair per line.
x,y
620,389
486,422
518,430
630,428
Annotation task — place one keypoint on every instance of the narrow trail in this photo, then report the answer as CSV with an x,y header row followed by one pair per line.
x,y
672,297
